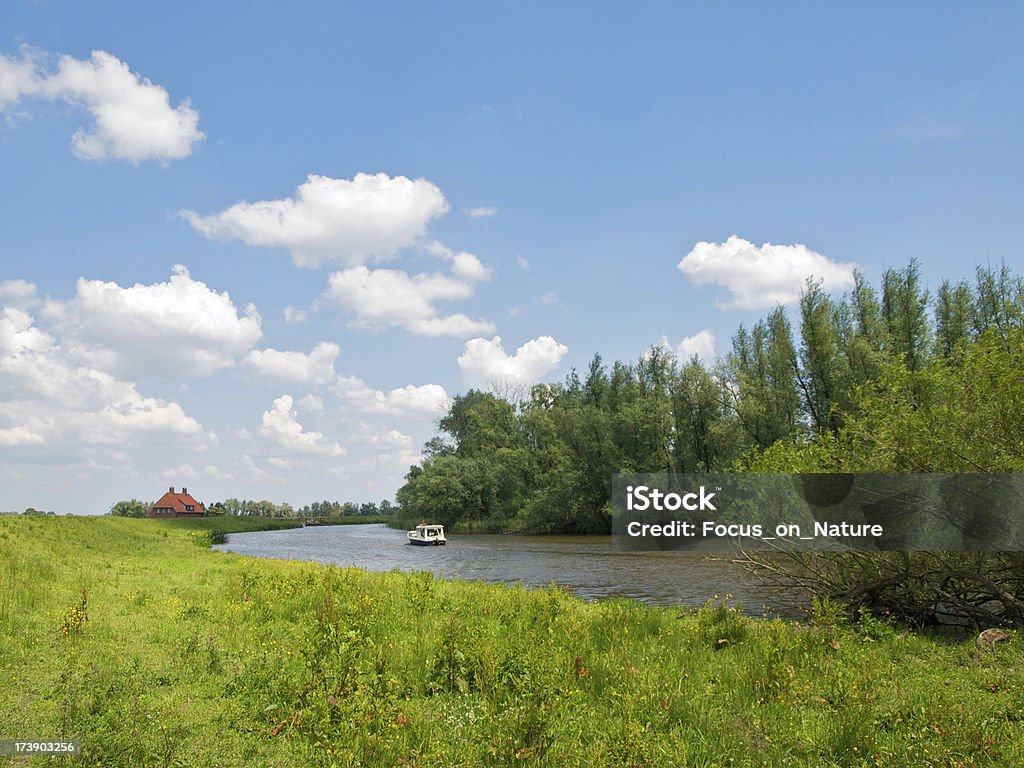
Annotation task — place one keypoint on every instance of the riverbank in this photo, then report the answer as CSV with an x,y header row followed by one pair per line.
x,y
216,529
135,637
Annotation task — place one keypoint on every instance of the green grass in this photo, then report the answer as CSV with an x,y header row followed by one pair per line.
x,y
131,635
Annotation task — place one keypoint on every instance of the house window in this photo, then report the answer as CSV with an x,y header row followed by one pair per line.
x,y
189,507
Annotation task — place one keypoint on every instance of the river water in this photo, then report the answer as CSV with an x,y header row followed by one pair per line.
x,y
586,565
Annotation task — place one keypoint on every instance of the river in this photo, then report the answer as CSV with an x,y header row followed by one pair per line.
x,y
588,566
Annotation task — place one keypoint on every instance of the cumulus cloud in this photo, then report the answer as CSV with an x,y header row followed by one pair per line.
x,y
45,396
391,297
316,368
133,118
485,362
762,276
465,266
427,398
18,293
180,328
280,425
410,400
482,212
333,220
18,78
701,344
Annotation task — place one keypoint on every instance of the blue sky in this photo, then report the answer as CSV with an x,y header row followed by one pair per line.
x,y
327,160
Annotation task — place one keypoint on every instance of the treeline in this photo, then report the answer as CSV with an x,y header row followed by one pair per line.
x,y
264,508
887,378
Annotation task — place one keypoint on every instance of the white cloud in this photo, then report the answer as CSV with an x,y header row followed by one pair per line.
x,y
18,78
392,465
482,212
255,473
45,396
215,473
549,298
333,220
409,400
465,266
18,293
184,472
316,368
278,463
523,263
132,117
388,438
293,315
280,425
701,344
180,328
762,276
428,398
484,363
390,297
20,436
311,403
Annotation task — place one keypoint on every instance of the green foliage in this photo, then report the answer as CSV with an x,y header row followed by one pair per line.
x,y
318,509
545,465
131,508
905,315
966,417
763,368
871,385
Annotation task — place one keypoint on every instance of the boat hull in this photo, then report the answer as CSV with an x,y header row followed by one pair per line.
x,y
427,542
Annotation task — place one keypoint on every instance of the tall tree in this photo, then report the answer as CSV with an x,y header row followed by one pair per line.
x,y
824,374
763,369
905,312
954,315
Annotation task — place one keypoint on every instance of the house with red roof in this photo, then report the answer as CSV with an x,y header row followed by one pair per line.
x,y
173,504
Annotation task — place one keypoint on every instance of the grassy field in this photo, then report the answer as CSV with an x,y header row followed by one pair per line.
x,y
155,651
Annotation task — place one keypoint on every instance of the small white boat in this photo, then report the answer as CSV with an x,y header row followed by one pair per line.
x,y
427,535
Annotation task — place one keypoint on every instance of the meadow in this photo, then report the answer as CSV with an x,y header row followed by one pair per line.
x,y
133,636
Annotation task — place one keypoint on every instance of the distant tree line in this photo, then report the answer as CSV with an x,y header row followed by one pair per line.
x,y
264,508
